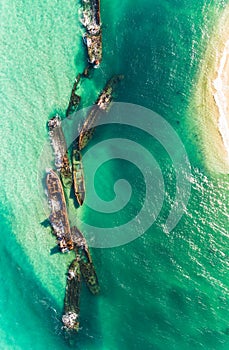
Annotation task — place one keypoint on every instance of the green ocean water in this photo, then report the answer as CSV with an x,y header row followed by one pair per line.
x,y
159,291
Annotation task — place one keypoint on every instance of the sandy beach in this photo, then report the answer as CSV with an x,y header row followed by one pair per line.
x,y
212,98
221,96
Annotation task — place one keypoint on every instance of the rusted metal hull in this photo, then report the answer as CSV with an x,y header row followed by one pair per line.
x,y
93,38
70,316
87,268
59,216
78,176
74,99
102,105
57,141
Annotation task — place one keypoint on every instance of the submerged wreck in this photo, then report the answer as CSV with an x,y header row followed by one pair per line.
x,y
59,146
93,36
59,216
58,191
70,239
70,316
57,141
78,176
87,268
74,99
69,171
102,104
81,265
66,175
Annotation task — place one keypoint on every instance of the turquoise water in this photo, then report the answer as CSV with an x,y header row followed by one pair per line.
x,y
159,291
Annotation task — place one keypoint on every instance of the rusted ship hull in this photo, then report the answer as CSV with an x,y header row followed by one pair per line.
x,y
94,48
60,151
93,38
57,141
66,174
87,129
70,316
78,176
85,261
59,217
102,105
88,272
105,98
74,99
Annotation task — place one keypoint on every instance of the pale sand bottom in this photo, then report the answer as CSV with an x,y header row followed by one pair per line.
x,y
212,99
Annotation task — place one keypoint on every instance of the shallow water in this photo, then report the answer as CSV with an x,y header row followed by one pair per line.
x,y
159,291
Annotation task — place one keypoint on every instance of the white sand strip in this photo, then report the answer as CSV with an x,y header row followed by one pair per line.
x,y
221,85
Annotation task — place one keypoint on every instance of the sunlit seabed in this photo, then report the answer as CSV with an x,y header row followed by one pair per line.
x,y
159,292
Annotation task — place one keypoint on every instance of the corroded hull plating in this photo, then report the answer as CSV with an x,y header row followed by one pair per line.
x,y
93,38
70,316
105,98
57,141
59,216
85,261
66,174
78,176
87,130
74,99
94,48
102,104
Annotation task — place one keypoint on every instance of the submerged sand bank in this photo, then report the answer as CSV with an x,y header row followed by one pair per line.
x,y
212,98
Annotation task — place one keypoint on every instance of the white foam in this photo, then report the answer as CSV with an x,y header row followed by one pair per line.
x,y
221,97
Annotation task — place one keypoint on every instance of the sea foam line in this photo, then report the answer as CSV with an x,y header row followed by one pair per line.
x,y
221,85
